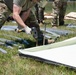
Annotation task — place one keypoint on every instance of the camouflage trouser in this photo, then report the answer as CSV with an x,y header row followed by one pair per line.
x,y
32,22
59,9
4,13
39,13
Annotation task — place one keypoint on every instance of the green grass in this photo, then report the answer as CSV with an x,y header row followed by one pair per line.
x,y
12,64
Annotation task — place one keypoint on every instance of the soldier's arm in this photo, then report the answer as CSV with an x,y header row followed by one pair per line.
x,y
19,19
16,16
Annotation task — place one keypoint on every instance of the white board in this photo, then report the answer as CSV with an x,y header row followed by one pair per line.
x,y
63,55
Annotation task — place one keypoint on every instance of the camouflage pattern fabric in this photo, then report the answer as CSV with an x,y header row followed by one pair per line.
x,y
4,12
40,7
59,9
39,13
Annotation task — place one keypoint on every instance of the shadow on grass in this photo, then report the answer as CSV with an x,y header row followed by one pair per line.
x,y
26,43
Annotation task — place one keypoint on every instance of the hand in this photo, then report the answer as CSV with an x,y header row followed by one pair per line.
x,y
27,30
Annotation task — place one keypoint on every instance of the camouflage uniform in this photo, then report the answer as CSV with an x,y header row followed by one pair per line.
x,y
59,9
4,13
40,7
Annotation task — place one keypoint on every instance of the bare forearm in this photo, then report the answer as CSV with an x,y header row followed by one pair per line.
x,y
19,20
16,16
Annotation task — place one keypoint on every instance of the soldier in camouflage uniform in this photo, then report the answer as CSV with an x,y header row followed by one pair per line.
x,y
22,14
21,10
59,9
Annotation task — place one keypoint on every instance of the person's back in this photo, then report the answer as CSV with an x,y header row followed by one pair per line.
x,y
25,4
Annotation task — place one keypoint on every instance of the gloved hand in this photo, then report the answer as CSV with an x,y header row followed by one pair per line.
x,y
27,30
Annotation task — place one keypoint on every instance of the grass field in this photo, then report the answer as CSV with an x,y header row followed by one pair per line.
x,y
12,64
